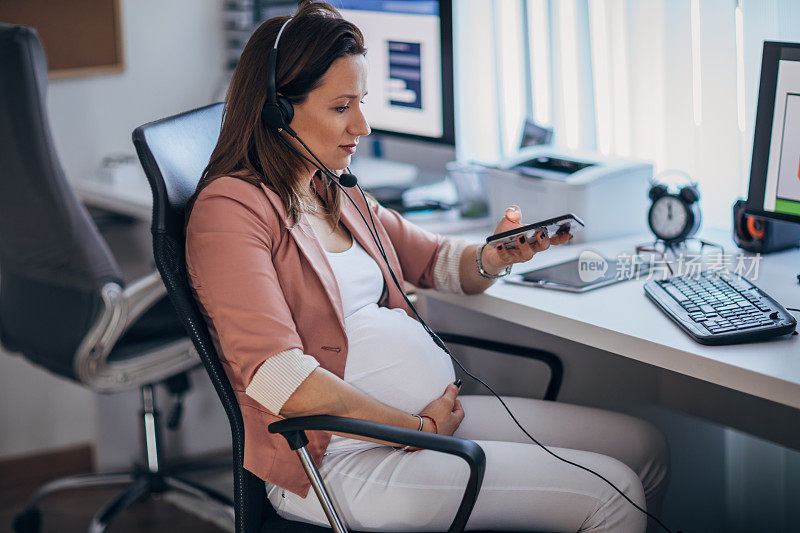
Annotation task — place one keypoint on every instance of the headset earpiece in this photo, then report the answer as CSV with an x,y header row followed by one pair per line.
x,y
287,110
272,116
278,115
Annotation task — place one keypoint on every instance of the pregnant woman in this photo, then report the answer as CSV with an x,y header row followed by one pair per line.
x,y
307,320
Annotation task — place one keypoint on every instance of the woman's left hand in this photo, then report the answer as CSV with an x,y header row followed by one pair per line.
x,y
497,258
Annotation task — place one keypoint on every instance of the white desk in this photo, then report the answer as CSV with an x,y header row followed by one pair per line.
x,y
622,320
618,318
135,201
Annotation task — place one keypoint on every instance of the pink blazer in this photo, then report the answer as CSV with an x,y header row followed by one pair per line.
x,y
264,286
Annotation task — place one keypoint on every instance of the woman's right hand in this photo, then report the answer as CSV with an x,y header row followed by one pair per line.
x,y
446,410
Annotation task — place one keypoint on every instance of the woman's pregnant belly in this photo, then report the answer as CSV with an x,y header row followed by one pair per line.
x,y
392,359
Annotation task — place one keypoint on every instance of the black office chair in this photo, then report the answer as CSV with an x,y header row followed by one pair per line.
x,y
173,152
63,304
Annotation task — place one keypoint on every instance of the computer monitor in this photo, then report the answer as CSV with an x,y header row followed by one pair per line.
x,y
410,60
775,168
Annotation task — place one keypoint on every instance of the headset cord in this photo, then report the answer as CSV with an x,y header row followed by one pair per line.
x,y
436,339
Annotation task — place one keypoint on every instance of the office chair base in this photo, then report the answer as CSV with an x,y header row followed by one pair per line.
x,y
144,480
141,484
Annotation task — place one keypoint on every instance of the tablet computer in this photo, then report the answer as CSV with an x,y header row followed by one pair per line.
x,y
568,276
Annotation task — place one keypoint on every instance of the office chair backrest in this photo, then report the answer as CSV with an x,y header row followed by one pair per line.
x,y
174,151
53,260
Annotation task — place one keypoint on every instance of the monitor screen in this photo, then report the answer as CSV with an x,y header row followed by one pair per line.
x,y
775,168
410,62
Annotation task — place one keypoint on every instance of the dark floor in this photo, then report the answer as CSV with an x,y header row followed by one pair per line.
x,y
70,511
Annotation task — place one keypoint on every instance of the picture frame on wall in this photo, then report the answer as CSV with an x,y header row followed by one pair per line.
x,y
80,37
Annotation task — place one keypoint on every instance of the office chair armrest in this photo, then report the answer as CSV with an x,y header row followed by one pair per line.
x,y
121,309
141,295
293,429
550,359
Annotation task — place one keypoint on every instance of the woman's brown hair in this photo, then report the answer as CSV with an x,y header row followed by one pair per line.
x,y
247,149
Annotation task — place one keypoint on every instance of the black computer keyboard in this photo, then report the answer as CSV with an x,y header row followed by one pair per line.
x,y
720,308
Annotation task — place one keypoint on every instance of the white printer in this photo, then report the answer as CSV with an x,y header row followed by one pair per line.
x,y
608,194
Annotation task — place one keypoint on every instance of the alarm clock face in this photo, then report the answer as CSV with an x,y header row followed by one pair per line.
x,y
669,218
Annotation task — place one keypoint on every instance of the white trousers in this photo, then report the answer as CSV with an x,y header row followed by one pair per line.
x,y
524,487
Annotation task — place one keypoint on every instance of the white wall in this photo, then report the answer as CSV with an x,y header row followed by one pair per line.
x,y
173,62
173,56
39,410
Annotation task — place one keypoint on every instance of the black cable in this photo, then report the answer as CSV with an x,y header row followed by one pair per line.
x,y
436,339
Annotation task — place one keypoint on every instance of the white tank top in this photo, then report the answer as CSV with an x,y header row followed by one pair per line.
x,y
390,356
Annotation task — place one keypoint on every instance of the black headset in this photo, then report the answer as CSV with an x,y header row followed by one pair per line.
x,y
277,114
278,111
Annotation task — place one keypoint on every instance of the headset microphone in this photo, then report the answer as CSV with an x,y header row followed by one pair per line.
x,y
344,180
348,180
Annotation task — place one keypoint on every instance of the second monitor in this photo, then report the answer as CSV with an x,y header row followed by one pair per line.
x,y
775,168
